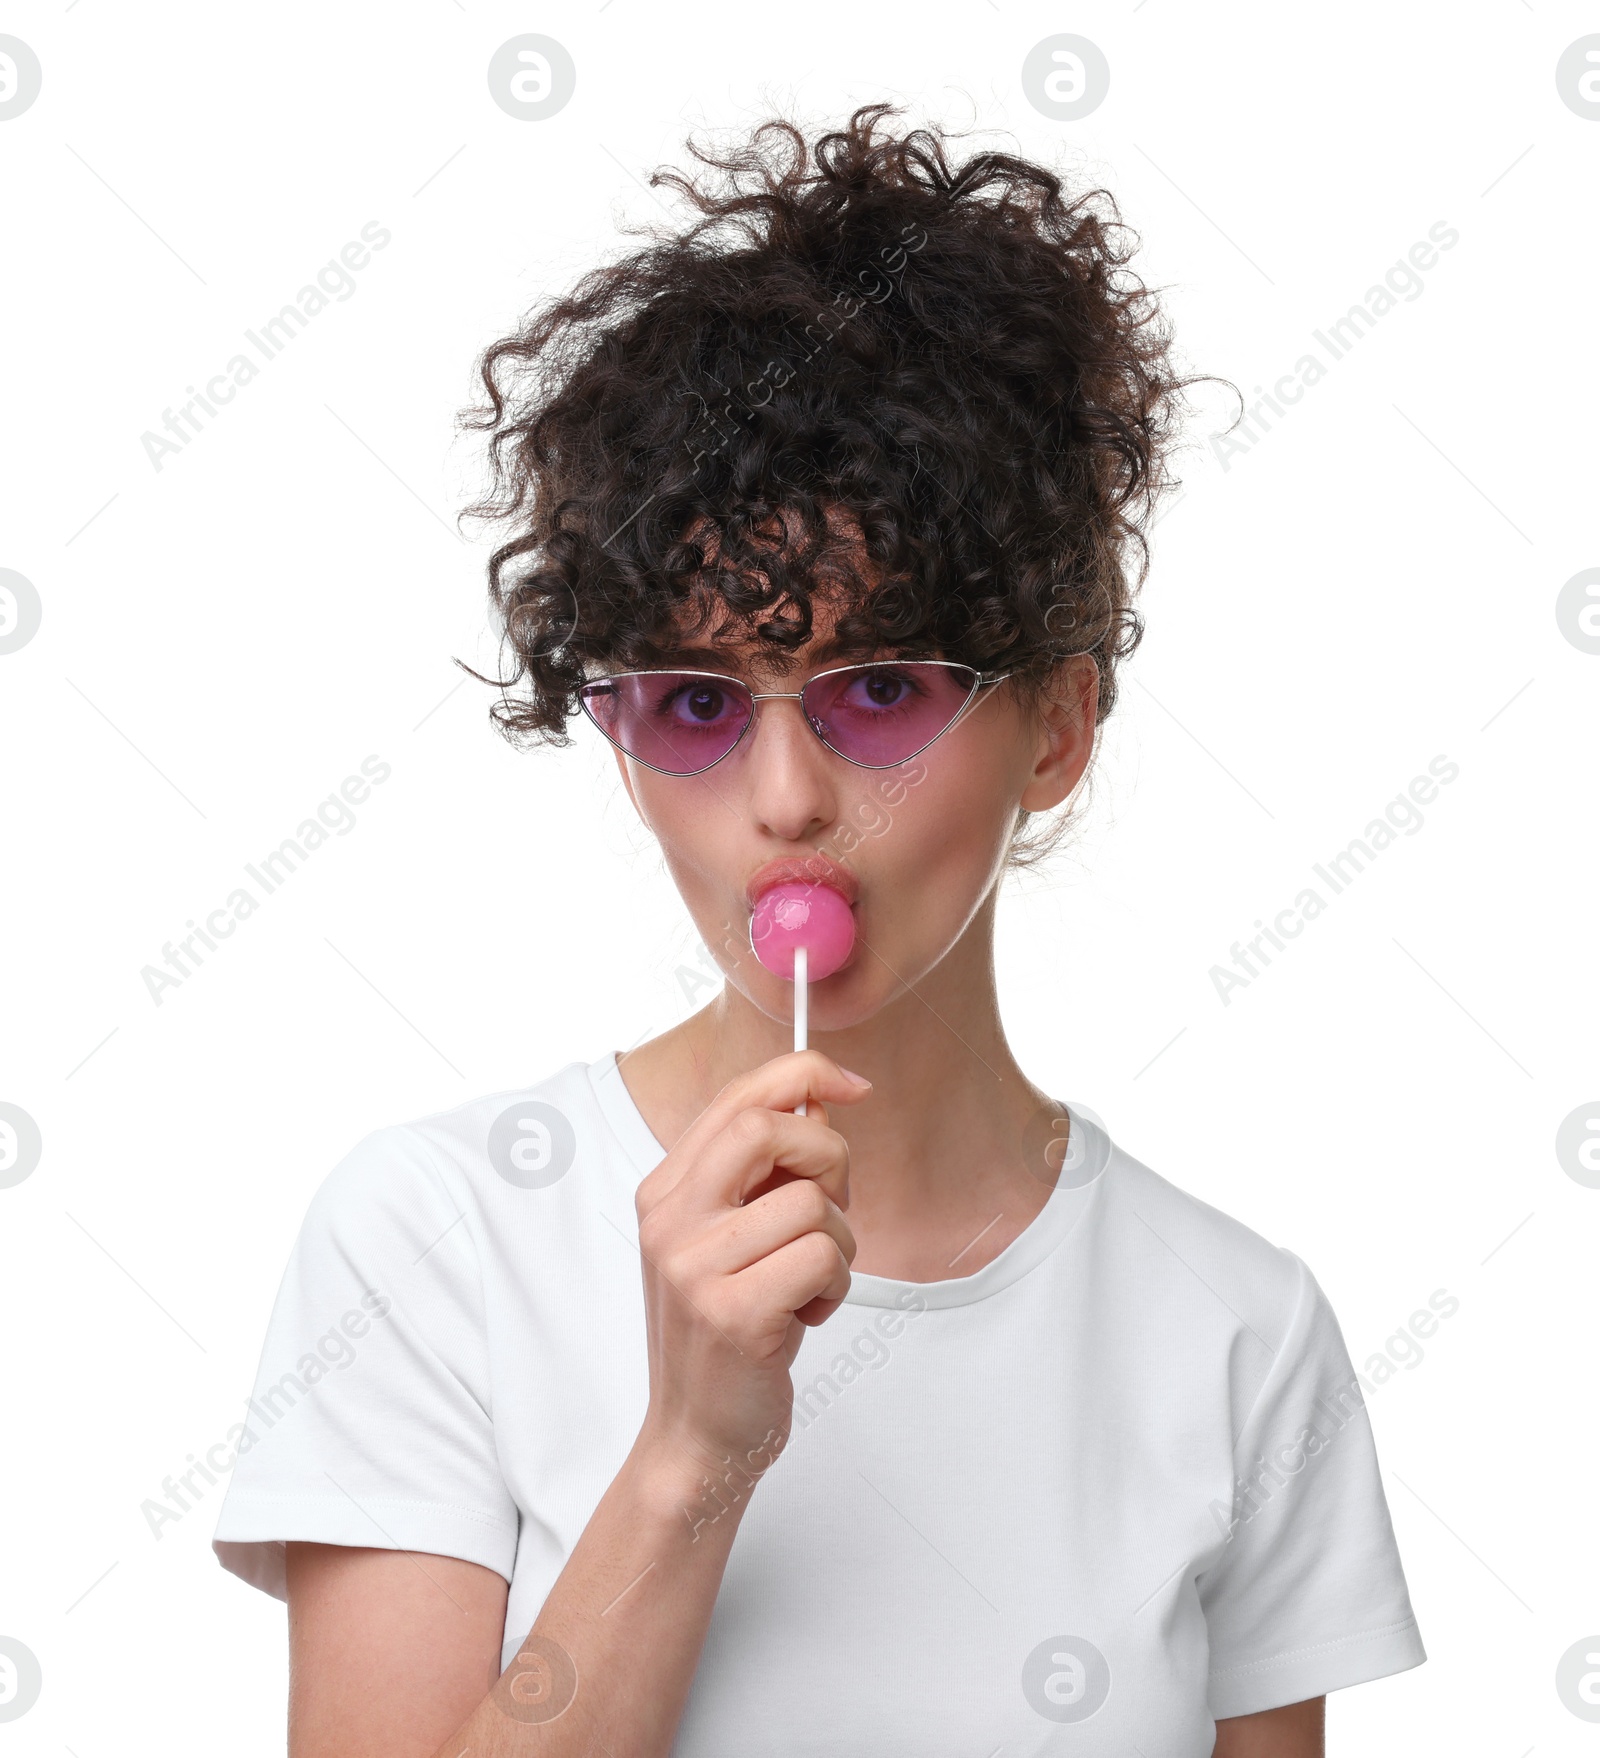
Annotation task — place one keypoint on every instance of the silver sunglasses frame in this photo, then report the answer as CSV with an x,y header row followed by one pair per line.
x,y
981,682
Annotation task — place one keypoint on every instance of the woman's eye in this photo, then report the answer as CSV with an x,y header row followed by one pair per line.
x,y
880,689
698,704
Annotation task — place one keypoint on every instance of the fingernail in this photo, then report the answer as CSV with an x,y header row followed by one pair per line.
x,y
860,1079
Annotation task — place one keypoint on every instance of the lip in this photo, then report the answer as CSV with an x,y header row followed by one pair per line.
x,y
815,869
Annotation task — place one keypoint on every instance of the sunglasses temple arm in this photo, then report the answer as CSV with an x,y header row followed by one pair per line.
x,y
972,701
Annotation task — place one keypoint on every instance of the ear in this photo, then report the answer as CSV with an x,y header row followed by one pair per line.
x,y
1066,731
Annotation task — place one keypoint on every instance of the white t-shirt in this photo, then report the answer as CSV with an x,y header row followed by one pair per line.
x,y
1116,1483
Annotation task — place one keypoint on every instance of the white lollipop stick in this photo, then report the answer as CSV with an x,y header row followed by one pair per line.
x,y
800,1010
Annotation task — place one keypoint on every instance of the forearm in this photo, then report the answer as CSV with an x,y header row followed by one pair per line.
x,y
610,1658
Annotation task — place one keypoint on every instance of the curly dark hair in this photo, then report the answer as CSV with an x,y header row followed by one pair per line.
x,y
954,358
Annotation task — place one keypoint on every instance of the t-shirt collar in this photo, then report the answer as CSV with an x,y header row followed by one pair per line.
x,y
1062,1210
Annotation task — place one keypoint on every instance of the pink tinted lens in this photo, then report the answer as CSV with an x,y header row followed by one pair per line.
x,y
883,713
677,721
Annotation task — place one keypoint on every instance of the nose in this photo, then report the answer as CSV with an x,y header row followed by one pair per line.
x,y
790,774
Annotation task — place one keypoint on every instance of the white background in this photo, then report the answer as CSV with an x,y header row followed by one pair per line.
x,y
224,640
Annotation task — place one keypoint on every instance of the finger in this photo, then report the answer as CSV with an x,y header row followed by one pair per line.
x,y
774,1288
779,1085
763,1150
764,1226
817,1312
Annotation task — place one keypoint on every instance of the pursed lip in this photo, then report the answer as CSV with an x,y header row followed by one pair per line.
x,y
815,869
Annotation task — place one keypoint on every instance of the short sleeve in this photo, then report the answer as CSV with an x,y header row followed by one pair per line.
x,y
1307,1594
371,1421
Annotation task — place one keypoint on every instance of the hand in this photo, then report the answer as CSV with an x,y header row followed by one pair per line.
x,y
743,1244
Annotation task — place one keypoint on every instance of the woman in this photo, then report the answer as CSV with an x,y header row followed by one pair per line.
x,y
638,1412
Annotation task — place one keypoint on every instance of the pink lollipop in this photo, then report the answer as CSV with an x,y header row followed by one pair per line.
x,y
802,932
798,921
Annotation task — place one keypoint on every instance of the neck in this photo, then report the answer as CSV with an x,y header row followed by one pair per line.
x,y
938,1181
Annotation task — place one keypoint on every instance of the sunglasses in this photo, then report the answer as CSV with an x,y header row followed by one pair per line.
x,y
876,715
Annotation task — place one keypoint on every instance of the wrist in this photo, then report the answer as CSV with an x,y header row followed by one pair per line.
x,y
701,1487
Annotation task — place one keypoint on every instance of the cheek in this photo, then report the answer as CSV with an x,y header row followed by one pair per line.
x,y
681,812
699,838
944,816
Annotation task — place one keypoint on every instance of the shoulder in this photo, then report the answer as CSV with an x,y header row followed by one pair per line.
x,y
407,1179
1203,1258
